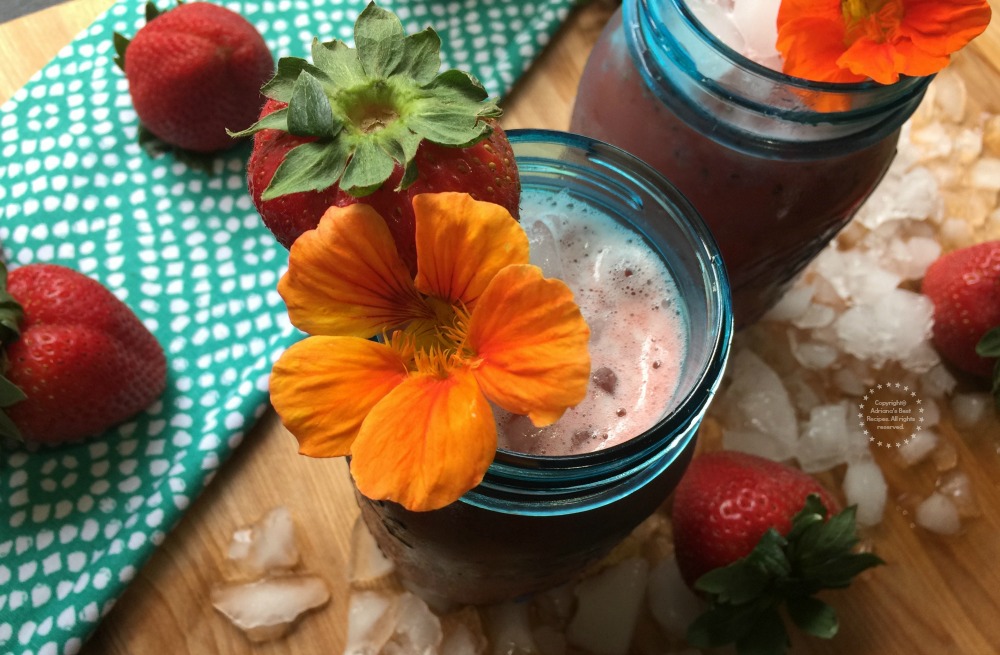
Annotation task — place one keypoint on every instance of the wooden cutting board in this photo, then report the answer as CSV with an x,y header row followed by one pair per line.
x,y
938,595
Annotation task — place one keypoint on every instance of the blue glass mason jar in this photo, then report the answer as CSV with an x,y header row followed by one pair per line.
x,y
535,520
775,165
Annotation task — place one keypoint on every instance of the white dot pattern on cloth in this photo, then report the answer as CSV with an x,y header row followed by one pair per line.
x,y
188,253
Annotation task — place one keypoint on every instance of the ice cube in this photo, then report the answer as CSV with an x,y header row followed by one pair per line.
x,y
368,564
608,605
970,408
544,249
793,304
823,443
985,174
910,258
991,135
462,641
717,17
864,486
951,97
371,620
918,446
888,330
756,443
266,545
509,627
929,411
757,400
856,276
815,316
815,356
849,382
937,382
417,631
922,358
265,609
957,487
932,141
671,601
757,22
938,514
968,145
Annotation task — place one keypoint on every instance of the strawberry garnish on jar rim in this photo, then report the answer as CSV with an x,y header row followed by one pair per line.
x,y
369,108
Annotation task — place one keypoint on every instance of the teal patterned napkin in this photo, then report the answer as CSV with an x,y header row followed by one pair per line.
x,y
187,251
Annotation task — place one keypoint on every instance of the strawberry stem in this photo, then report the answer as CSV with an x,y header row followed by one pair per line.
x,y
989,346
368,108
11,317
746,596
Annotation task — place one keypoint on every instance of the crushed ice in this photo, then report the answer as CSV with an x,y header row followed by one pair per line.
x,y
268,596
791,391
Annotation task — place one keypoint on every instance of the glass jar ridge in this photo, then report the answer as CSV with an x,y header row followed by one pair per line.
x,y
774,109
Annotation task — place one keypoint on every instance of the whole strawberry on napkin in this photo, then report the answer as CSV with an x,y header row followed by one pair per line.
x,y
376,124
193,72
76,359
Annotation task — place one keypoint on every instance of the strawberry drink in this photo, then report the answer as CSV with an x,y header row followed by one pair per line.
x,y
775,165
638,331
648,279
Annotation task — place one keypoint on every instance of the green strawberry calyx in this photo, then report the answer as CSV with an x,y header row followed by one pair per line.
x,y
989,346
746,595
368,108
11,316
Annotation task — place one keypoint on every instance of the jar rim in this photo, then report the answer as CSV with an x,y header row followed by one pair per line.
x,y
741,60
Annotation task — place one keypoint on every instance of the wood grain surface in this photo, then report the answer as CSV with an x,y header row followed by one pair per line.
x,y
937,596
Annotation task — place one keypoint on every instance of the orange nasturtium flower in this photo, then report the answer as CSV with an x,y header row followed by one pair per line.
x,y
478,324
854,40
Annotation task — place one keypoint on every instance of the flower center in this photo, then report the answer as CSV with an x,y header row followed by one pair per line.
x,y
871,19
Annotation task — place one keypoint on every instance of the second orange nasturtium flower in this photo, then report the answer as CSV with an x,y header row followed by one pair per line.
x,y
857,40
477,324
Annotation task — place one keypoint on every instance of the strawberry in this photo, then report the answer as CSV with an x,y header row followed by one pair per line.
x,y
750,534
192,72
964,286
77,361
376,124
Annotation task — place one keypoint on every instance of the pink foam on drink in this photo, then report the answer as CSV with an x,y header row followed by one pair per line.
x,y
638,333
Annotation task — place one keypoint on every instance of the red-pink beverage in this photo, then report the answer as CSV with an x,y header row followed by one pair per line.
x,y
637,331
775,165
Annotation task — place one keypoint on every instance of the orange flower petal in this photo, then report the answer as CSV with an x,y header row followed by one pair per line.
x,y
879,61
426,443
462,243
881,41
941,27
532,344
812,43
344,278
323,387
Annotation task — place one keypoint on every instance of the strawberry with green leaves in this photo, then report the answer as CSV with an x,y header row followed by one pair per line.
x,y
76,359
377,124
964,286
751,534
193,72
